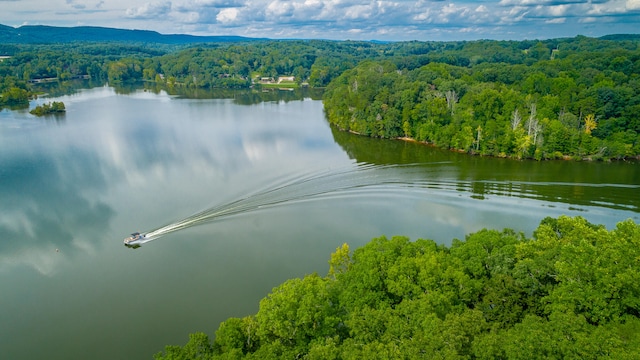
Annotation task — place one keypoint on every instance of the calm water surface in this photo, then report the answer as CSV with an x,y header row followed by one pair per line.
x,y
72,187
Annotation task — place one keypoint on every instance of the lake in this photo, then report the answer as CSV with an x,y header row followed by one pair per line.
x,y
261,190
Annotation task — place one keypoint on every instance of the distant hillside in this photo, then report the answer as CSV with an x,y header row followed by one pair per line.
x,y
35,34
634,37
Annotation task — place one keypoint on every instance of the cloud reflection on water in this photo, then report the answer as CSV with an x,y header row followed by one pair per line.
x,y
62,186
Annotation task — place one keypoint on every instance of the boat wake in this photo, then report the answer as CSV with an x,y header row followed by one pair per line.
x,y
311,186
439,181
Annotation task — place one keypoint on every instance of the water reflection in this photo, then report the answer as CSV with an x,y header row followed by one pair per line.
x,y
239,96
34,190
57,182
610,185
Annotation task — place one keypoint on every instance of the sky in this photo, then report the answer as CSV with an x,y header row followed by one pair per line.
x,y
393,20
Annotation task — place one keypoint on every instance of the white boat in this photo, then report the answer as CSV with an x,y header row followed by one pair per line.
x,y
136,239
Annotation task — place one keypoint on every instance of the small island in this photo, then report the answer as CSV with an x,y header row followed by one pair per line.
x,y
55,107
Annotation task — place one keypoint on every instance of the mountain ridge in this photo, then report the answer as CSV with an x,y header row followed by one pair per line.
x,y
43,34
48,34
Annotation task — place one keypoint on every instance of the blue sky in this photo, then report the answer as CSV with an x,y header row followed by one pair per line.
x,y
340,19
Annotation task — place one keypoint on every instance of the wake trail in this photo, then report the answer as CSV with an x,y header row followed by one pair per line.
x,y
310,186
413,180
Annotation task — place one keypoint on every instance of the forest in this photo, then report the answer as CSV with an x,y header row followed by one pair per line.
x,y
548,104
569,292
558,98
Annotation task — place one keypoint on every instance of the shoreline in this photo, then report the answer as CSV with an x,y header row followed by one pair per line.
x,y
472,153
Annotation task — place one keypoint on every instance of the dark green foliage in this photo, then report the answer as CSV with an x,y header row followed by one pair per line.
x,y
15,96
14,92
570,292
198,348
581,100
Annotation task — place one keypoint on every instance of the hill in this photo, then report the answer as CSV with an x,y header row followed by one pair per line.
x,y
41,34
621,37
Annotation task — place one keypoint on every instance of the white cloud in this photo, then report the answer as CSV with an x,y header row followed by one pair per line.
x,y
633,4
150,10
219,3
228,15
367,19
558,10
425,16
358,12
279,8
545,2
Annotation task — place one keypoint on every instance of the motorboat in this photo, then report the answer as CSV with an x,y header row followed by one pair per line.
x,y
136,239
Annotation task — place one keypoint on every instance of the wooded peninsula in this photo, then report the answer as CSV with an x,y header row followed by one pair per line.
x,y
559,98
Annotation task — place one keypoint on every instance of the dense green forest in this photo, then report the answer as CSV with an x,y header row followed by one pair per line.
x,y
579,98
206,65
574,97
570,292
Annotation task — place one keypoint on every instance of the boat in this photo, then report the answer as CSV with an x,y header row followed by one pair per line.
x,y
136,239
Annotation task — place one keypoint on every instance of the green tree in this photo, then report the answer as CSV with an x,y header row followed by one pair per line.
x,y
197,348
15,97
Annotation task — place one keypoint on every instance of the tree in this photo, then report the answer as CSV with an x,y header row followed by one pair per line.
x,y
515,119
197,348
340,261
452,99
589,123
296,312
14,95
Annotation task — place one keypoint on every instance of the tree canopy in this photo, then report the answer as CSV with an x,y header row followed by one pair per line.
x,y
571,291
579,101
576,97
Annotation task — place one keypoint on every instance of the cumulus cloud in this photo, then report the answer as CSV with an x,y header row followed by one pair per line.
x,y
279,8
227,16
191,5
546,2
368,19
150,10
219,3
